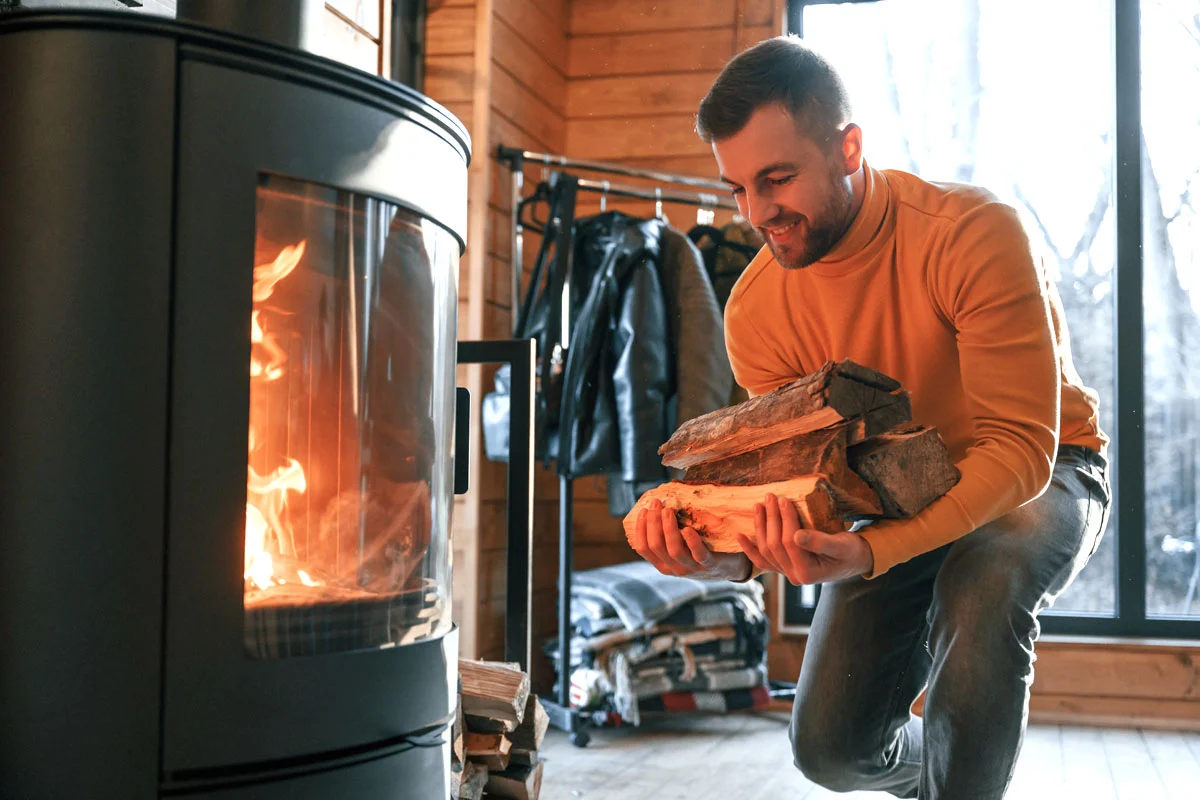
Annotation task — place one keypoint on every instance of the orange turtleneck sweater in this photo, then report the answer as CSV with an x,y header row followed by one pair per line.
x,y
935,285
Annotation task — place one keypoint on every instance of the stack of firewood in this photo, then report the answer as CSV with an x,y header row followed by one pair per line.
x,y
497,733
839,443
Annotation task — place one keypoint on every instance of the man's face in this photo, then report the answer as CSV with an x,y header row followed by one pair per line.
x,y
796,194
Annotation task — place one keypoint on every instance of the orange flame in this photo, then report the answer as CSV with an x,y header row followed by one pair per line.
x,y
267,531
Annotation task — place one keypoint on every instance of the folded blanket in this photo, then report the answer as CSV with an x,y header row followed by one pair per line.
x,y
718,702
642,596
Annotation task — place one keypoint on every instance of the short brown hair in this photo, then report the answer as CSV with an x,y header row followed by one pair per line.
x,y
780,70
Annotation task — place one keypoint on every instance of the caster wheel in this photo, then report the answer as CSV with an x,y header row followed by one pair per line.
x,y
580,738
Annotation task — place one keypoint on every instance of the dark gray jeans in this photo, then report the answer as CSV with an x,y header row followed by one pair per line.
x,y
962,620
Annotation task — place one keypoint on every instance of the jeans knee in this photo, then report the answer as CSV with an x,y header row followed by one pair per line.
x,y
823,762
992,617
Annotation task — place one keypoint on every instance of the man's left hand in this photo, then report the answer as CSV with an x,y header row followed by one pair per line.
x,y
803,555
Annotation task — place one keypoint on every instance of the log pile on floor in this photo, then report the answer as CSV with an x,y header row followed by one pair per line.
x,y
839,443
497,733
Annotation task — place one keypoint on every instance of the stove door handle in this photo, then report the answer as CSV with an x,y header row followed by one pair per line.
x,y
462,440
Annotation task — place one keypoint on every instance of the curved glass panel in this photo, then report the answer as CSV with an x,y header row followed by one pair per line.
x,y
348,492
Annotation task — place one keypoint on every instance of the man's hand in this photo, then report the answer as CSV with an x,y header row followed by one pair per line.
x,y
803,555
658,539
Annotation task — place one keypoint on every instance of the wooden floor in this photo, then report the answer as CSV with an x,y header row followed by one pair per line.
x,y
745,757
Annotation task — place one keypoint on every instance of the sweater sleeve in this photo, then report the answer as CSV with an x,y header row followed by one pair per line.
x,y
756,368
990,290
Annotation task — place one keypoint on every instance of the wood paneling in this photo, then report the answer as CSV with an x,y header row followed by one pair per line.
x,y
706,50
1116,712
639,96
450,31
627,16
527,111
541,24
757,12
635,137
753,35
450,79
529,66
1118,671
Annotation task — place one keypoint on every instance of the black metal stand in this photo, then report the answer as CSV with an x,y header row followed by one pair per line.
x,y
520,354
562,716
518,638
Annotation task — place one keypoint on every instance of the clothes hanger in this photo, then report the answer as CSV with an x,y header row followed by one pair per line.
x,y
706,214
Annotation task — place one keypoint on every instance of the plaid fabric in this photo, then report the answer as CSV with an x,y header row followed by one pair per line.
x,y
717,702
642,596
285,631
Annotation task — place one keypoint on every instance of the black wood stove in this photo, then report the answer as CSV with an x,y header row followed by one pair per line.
x,y
228,299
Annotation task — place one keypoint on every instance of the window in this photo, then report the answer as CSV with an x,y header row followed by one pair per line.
x,y
1028,100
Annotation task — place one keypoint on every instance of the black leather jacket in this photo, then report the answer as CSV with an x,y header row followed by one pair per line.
x,y
618,376
647,351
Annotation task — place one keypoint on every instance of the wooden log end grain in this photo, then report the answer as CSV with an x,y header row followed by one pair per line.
x,y
719,512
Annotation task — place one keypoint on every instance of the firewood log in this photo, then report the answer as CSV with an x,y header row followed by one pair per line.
x,y
457,732
908,468
719,513
517,783
493,691
881,419
528,736
489,749
821,452
836,392
474,777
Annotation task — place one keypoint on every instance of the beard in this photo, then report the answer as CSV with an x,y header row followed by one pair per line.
x,y
821,231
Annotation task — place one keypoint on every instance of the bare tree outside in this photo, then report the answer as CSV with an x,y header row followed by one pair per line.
x,y
1017,96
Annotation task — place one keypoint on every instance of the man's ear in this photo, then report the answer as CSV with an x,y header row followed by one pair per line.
x,y
852,153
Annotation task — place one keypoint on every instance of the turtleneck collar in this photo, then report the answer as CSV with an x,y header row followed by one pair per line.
x,y
862,231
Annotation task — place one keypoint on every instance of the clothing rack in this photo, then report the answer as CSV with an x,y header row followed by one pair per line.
x,y
561,714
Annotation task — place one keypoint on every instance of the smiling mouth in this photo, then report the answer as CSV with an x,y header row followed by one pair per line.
x,y
779,231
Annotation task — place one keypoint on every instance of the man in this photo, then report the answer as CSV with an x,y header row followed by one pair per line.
x,y
935,285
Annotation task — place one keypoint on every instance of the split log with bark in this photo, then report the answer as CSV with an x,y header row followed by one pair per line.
x,y
498,730
838,444
719,513
907,468
837,392
494,695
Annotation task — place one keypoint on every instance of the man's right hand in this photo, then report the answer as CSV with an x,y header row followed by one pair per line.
x,y
658,539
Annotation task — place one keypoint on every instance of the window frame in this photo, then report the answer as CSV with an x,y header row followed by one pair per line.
x,y
1128,448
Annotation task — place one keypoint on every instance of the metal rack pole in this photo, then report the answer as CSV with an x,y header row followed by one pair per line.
x,y
703,199
511,154
517,184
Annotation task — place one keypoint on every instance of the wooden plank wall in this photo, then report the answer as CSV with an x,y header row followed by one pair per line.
x,y
527,106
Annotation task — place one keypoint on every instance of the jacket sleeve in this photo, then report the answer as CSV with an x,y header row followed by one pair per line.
x,y
704,381
641,374
991,291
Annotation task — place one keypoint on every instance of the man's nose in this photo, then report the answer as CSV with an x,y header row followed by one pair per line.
x,y
759,209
